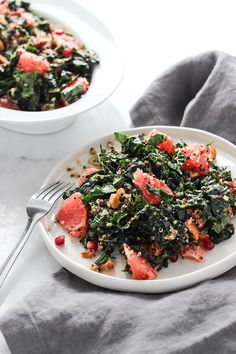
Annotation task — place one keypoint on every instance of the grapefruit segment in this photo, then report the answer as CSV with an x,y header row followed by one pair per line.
x,y
86,173
142,179
29,62
167,145
73,216
200,158
141,269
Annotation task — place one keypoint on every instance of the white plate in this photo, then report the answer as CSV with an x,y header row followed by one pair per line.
x,y
107,75
178,275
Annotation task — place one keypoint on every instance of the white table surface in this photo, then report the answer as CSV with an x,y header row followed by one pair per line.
x,y
154,35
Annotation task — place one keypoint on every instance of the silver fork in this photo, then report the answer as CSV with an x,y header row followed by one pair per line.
x,y
37,207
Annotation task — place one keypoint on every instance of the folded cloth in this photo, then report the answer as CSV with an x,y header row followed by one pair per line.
x,y
67,315
199,92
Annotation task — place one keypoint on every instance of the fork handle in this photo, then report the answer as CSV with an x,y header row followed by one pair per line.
x,y
13,255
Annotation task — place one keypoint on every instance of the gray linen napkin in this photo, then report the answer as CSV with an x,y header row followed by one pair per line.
x,y
199,92
67,315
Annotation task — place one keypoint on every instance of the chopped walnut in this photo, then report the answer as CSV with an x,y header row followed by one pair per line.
x,y
107,266
95,268
87,254
114,201
120,192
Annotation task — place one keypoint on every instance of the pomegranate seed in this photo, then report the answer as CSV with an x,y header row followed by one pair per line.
x,y
208,244
59,31
173,258
92,246
67,52
60,240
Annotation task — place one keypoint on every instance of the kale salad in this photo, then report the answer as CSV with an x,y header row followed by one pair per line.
x,y
42,66
154,200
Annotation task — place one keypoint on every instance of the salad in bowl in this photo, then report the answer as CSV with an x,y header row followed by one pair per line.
x,y
42,65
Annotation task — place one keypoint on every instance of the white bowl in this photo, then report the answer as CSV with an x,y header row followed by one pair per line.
x,y
106,77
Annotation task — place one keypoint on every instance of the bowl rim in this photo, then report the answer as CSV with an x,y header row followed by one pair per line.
x,y
11,115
